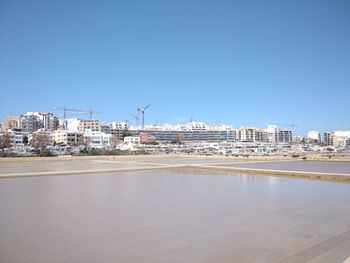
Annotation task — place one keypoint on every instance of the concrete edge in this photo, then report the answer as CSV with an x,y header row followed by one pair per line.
x,y
91,171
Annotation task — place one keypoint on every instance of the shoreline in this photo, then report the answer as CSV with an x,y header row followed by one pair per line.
x,y
309,157
321,176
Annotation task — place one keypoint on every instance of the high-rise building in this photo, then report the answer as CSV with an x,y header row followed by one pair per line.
x,y
33,121
284,136
251,135
50,121
328,138
272,133
278,135
30,123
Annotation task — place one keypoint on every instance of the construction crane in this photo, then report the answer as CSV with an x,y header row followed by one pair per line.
x,y
66,110
136,119
142,111
291,125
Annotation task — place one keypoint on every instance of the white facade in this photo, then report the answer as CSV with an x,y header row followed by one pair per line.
x,y
17,137
132,139
66,137
98,139
73,124
342,134
340,138
119,125
314,136
278,135
272,131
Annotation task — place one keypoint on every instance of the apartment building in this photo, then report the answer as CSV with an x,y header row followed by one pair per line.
x,y
284,136
328,138
340,138
50,121
30,123
10,123
33,121
251,135
98,139
278,135
119,129
66,137
91,125
17,137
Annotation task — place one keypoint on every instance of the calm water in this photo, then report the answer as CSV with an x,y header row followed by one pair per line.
x,y
323,167
172,216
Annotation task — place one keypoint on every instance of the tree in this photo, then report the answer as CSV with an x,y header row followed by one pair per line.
x,y
115,141
5,141
25,140
85,141
40,141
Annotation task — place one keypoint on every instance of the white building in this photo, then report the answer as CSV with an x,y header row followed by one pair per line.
x,y
119,125
272,133
132,139
251,135
73,124
33,121
278,135
314,136
340,138
17,137
66,137
98,139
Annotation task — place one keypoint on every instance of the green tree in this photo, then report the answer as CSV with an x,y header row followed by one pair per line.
x,y
25,140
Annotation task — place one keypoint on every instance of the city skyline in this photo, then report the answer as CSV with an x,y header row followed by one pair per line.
x,y
238,63
139,123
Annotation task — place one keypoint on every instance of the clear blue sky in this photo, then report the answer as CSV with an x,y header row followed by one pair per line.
x,y
245,63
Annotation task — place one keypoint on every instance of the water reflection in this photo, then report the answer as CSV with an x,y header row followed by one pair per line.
x,y
180,215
